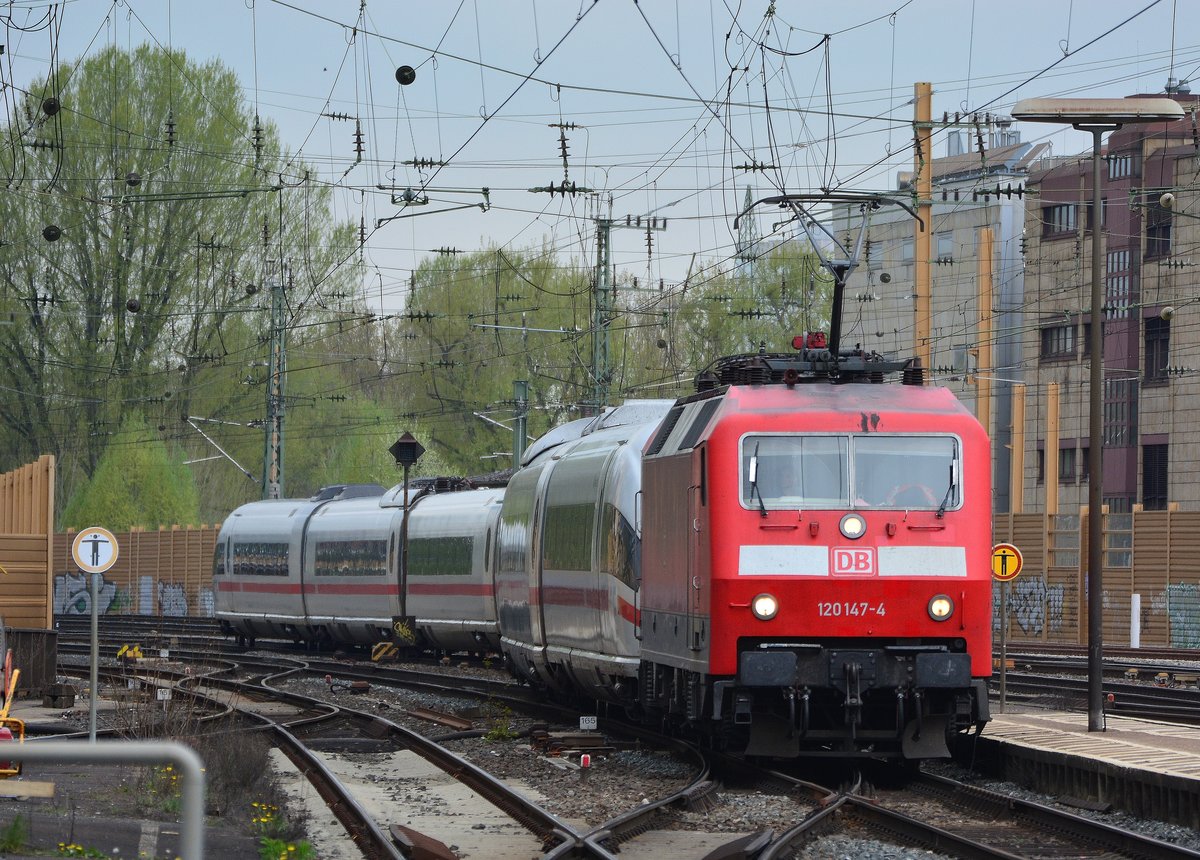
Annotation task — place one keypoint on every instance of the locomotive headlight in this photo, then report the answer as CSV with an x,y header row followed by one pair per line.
x,y
764,607
941,607
853,526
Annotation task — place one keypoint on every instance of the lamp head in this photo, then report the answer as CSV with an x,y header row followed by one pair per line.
x,y
1090,113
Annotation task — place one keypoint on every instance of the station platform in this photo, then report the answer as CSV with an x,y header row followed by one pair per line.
x,y
1148,768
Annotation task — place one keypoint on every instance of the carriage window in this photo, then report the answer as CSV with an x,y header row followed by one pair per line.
x,y
867,471
351,558
260,559
441,556
621,553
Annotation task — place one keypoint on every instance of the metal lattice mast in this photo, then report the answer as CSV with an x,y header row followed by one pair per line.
x,y
747,241
276,369
601,314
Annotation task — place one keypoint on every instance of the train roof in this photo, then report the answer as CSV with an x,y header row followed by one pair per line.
x,y
815,408
629,412
347,491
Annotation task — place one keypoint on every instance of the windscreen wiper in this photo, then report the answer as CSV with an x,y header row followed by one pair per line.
x,y
754,491
941,511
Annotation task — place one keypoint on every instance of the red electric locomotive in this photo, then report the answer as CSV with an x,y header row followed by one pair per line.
x,y
815,559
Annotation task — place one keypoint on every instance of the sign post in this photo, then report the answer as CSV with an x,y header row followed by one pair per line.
x,y
94,550
1006,564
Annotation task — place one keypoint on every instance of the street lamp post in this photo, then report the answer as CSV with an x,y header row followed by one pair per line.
x,y
1097,116
406,450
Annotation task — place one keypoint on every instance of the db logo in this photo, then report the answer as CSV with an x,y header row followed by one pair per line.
x,y
853,562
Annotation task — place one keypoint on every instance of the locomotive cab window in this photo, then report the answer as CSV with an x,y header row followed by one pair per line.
x,y
906,472
795,471
781,472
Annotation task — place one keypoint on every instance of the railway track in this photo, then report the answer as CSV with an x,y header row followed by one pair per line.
x,y
248,689
948,817
926,813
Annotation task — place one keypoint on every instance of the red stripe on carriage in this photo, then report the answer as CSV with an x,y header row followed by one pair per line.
x,y
473,589
259,587
384,588
588,598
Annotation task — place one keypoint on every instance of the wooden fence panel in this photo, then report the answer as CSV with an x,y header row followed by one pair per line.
x,y
27,544
1152,553
167,572
1047,602
1183,589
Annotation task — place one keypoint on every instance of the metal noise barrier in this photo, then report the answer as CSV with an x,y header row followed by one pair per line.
x,y
135,752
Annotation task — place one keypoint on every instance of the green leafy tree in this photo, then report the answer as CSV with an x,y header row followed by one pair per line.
x,y
146,208
136,483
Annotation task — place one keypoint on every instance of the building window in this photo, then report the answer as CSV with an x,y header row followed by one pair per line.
x,y
906,251
1103,214
1120,412
1154,477
1158,230
944,246
1041,465
1116,282
1120,166
1058,341
1084,464
1059,218
1066,464
1158,342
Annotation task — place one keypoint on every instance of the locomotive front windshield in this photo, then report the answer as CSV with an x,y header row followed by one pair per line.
x,y
860,471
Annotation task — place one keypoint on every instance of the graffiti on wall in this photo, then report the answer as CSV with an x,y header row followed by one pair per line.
x,y
172,599
1183,614
207,603
1035,607
73,595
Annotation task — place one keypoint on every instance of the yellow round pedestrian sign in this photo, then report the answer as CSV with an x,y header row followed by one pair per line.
x,y
94,549
1006,561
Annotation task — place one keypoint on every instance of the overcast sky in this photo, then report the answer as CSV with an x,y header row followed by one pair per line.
x,y
669,101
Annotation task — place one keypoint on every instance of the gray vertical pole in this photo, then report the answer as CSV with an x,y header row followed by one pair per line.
x,y
94,674
404,551
1095,547
1003,644
521,396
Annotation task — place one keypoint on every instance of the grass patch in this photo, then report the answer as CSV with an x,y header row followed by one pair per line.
x,y
14,835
